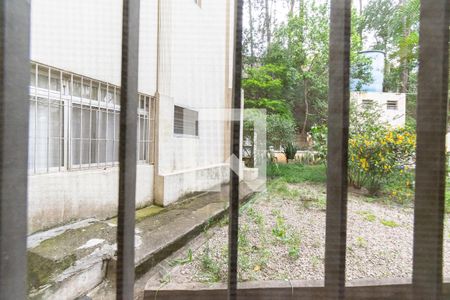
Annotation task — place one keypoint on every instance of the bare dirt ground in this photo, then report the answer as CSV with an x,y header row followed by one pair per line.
x,y
282,237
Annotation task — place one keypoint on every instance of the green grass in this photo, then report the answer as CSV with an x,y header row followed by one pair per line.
x,y
297,173
389,223
447,195
367,215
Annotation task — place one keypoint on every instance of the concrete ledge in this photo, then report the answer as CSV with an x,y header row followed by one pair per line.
x,y
391,289
172,186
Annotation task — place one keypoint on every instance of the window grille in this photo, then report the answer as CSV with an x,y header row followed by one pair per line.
x,y
392,105
431,127
79,130
367,103
185,121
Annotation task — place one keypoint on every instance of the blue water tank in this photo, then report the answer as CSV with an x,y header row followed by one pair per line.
x,y
377,58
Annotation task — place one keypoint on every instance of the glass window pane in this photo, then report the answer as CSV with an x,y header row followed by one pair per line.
x,y
55,120
76,122
102,151
41,154
94,151
103,93
117,96
85,151
43,77
66,84
54,153
102,125
86,89
94,124
117,124
75,152
33,75
110,133
109,151
94,91
110,95
55,81
86,124
42,118
77,86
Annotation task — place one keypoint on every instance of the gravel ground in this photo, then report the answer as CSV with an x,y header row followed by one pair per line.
x,y
282,236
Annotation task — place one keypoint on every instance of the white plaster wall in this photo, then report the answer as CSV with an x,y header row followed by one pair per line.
x,y
197,75
85,37
58,198
396,118
192,75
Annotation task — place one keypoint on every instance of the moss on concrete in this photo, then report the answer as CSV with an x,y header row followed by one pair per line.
x,y
41,270
143,213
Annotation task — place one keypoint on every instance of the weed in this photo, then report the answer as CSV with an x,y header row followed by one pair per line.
x,y
361,242
182,261
389,223
210,268
297,173
294,246
316,261
280,229
368,216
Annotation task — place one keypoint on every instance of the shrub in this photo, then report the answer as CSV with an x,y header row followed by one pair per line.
x,y
374,157
319,135
290,150
280,131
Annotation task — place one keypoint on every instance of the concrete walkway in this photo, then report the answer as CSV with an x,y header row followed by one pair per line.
x,y
69,261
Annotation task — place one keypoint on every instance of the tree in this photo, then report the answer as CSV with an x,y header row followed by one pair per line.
x,y
395,27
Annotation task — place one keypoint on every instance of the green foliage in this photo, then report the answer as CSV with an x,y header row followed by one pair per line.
x,y
319,134
389,223
182,261
290,150
375,156
368,216
395,28
280,131
210,268
297,173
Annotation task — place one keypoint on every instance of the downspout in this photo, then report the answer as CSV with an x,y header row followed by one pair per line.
x,y
157,100
227,123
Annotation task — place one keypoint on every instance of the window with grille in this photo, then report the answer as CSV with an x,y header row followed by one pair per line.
x,y
185,121
367,103
392,105
74,122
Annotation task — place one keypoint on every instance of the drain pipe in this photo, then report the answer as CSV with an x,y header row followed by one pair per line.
x,y
157,101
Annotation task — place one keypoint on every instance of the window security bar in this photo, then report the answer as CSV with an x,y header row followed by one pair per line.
x,y
430,170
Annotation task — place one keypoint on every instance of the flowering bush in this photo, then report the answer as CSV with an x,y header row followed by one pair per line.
x,y
377,154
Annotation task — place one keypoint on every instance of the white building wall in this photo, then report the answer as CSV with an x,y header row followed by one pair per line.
x,y
58,198
192,75
396,118
84,37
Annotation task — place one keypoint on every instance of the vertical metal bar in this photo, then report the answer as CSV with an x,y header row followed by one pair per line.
x,y
48,118
61,118
35,118
430,166
70,123
90,124
81,121
233,226
127,151
338,123
14,113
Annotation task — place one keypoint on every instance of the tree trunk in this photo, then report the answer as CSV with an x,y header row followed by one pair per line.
x,y
252,44
305,95
360,15
267,23
291,9
404,56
